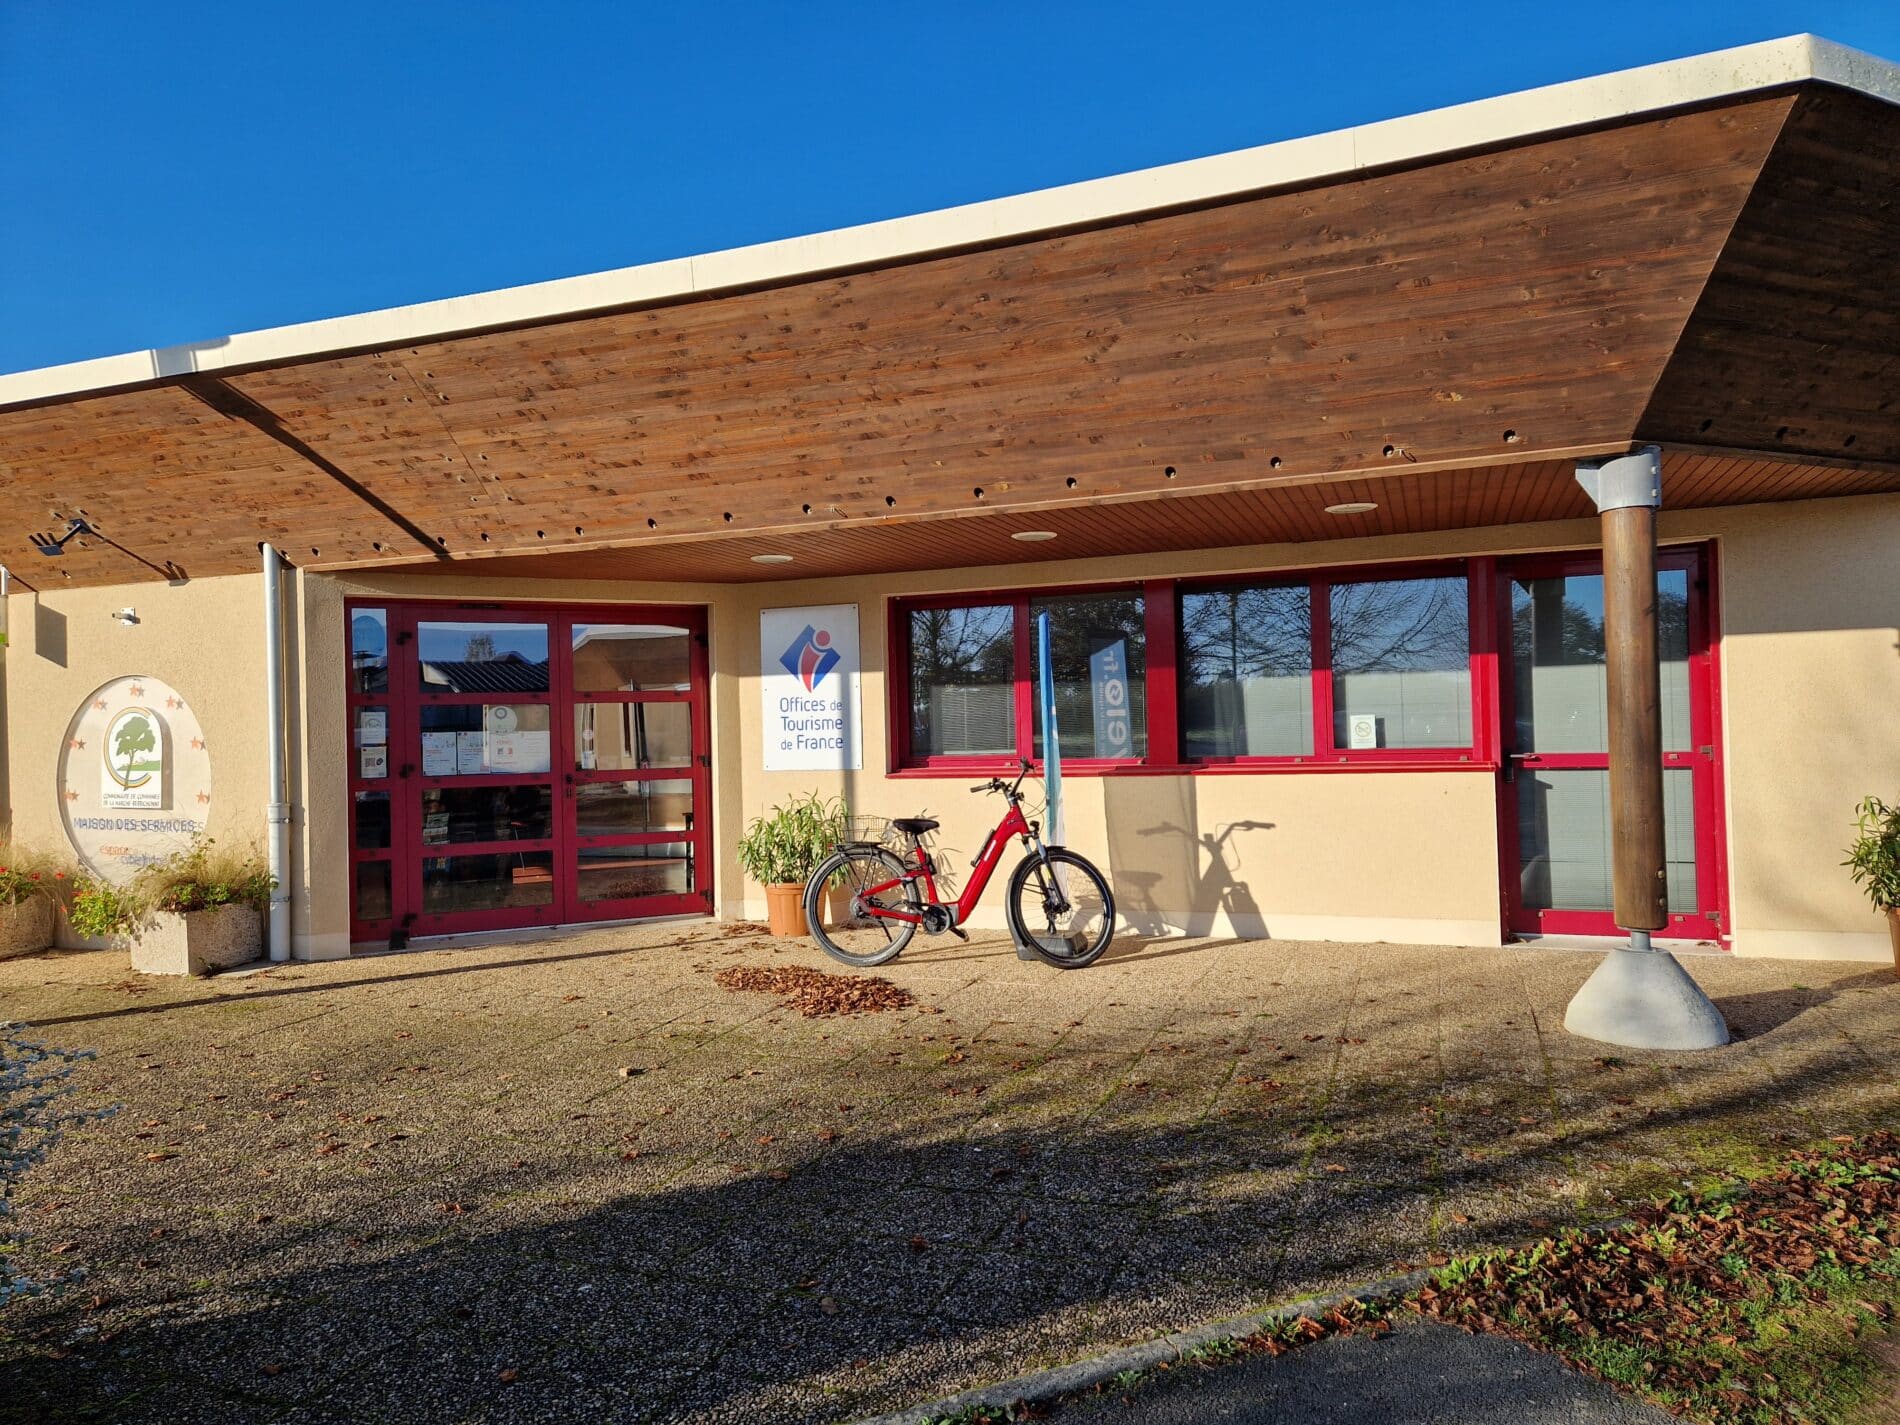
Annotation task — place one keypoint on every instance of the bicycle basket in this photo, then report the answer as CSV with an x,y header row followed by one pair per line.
x,y
868,831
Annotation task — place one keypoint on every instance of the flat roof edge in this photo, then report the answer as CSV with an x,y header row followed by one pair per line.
x,y
1408,139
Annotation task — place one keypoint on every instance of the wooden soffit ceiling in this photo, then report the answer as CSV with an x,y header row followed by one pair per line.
x,y
1210,373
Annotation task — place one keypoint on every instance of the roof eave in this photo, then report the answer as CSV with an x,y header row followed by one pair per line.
x,y
1510,118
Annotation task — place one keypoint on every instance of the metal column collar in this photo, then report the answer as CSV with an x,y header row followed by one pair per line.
x,y
1624,481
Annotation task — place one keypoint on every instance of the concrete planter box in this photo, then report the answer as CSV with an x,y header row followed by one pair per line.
x,y
198,942
26,927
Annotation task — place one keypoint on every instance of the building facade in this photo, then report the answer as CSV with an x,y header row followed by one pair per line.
x,y
583,577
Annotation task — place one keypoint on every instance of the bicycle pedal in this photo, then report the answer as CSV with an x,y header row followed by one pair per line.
x,y
960,933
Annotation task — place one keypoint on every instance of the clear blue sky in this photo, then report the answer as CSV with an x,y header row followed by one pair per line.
x,y
171,173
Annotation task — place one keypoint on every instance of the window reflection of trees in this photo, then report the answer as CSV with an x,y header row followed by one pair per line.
x,y
958,648
1400,625
1243,632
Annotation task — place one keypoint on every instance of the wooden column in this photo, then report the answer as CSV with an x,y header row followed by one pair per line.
x,y
1635,680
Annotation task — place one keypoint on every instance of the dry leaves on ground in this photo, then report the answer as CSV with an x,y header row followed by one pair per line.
x,y
813,992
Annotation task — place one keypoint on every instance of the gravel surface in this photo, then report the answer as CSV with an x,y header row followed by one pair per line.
x,y
571,1178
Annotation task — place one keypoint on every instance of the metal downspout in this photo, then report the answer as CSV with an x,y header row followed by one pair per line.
x,y
277,811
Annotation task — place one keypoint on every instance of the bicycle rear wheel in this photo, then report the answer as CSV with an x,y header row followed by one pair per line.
x,y
835,899
1060,906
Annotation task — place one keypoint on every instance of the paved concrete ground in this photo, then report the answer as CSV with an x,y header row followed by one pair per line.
x,y
419,1187
1421,1374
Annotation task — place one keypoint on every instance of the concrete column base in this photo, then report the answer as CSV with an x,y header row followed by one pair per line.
x,y
1643,999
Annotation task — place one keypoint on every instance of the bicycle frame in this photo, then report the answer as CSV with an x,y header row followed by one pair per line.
x,y
1013,824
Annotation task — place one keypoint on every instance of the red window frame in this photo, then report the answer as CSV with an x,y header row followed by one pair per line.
x,y
403,782
1161,610
1705,760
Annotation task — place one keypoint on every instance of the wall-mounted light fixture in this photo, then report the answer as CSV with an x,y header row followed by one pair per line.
x,y
52,546
128,617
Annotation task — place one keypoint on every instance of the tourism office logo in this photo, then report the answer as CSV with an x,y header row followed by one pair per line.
x,y
810,657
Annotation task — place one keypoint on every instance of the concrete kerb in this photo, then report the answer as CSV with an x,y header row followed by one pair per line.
x,y
1058,1382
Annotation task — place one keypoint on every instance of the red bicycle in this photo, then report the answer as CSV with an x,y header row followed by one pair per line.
x,y
1059,905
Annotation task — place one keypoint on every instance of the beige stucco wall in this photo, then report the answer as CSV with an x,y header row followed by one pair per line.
x,y
206,639
1811,705
1810,598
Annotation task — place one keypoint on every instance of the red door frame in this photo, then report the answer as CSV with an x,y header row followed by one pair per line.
x,y
404,782
1703,757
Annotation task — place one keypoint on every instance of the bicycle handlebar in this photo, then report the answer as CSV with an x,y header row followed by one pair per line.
x,y
997,784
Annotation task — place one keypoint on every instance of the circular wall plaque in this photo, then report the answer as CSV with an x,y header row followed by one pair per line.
x,y
134,777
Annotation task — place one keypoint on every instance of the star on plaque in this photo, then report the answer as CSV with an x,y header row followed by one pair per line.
x,y
72,796
197,744
173,703
137,690
99,704
204,797
78,744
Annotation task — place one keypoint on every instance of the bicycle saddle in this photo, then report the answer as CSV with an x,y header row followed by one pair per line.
x,y
914,825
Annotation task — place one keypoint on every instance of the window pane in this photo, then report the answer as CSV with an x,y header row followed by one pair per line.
x,y
631,658
962,681
614,873
369,651
465,814
623,737
624,808
1099,648
458,883
1247,671
1563,839
1558,688
372,890
483,657
484,740
372,821
1401,653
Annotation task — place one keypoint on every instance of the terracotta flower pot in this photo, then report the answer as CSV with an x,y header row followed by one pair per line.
x,y
785,909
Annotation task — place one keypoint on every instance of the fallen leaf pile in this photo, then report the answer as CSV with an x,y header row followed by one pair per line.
x,y
813,992
1697,1289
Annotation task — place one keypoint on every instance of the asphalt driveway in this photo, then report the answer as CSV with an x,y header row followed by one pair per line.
x,y
574,1178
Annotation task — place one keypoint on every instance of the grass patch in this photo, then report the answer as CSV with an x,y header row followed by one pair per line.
x,y
1747,1304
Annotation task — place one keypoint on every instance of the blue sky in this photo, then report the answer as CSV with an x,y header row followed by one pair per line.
x,y
175,173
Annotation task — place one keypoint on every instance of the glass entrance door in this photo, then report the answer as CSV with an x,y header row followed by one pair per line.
x,y
1555,810
525,765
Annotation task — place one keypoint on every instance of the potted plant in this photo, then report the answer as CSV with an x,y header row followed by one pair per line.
x,y
1874,862
192,913
28,887
781,849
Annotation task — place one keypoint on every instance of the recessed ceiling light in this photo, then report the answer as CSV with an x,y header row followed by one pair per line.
x,y
1353,507
1033,536
771,559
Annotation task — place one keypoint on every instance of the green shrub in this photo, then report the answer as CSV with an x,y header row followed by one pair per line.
x,y
203,877
785,846
1874,858
25,873
100,910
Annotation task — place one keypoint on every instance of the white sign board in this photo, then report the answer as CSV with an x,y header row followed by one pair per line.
x,y
134,777
809,675
1362,730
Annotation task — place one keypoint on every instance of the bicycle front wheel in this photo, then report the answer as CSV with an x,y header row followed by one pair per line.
x,y
1060,906
839,895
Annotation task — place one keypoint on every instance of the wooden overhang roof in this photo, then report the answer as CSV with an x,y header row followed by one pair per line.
x,y
1438,314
